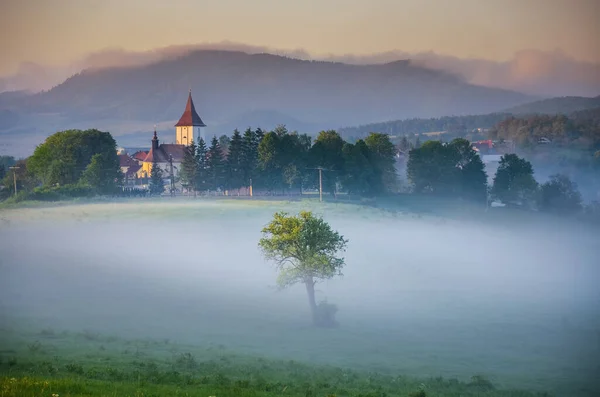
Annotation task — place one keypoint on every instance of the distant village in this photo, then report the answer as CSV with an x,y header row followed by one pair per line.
x,y
136,165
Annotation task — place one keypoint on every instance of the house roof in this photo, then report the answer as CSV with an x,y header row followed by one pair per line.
x,y
126,161
189,116
132,170
162,153
141,155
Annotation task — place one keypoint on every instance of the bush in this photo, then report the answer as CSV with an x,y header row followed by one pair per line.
x,y
325,315
57,193
559,195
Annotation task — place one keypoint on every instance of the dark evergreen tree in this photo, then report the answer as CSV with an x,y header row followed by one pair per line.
x,y
216,166
202,176
189,167
156,179
234,172
249,157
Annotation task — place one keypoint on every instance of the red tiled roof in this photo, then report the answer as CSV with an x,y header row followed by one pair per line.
x,y
126,161
189,116
141,155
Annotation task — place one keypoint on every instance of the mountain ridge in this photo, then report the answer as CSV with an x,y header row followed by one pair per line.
x,y
229,84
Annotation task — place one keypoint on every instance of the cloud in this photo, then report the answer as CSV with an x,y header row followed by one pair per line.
x,y
530,71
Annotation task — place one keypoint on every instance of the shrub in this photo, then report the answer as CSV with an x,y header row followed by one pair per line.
x,y
325,315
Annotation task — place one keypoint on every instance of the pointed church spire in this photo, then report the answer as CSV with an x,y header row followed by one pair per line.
x,y
190,117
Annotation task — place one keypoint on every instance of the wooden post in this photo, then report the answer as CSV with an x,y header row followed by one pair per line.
x,y
15,168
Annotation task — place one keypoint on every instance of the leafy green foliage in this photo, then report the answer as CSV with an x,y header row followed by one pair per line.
x,y
327,152
65,155
559,195
577,130
452,169
514,183
5,163
103,174
282,159
382,157
305,250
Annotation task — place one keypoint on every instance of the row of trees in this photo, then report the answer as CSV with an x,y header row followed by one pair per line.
x,y
280,160
456,170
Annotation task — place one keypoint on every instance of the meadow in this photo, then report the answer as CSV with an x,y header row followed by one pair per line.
x,y
172,297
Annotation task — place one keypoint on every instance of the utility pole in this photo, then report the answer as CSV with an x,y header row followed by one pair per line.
x,y
15,168
321,169
320,185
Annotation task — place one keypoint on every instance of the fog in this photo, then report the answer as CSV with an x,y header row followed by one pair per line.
x,y
517,300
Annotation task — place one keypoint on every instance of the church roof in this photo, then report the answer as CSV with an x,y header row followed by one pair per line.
x,y
162,153
189,116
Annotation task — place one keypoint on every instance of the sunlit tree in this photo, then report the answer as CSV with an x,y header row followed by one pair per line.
x,y
305,250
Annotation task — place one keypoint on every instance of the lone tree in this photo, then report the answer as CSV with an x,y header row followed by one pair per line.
x,y
304,249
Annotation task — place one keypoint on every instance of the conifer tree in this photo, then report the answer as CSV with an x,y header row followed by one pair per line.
x,y
189,167
156,179
215,165
201,166
234,175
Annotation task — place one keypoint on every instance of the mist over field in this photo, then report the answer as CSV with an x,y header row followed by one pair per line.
x,y
421,295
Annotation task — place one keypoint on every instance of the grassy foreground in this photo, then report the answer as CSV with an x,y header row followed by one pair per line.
x,y
50,363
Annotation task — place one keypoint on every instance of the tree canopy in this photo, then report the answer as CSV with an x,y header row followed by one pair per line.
x,y
559,195
305,250
452,169
514,182
65,155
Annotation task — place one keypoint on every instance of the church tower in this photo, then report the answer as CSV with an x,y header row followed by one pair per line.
x,y
184,129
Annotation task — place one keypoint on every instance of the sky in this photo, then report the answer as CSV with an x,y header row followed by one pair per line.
x,y
56,32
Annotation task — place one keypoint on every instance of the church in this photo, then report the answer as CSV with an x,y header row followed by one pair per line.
x,y
167,156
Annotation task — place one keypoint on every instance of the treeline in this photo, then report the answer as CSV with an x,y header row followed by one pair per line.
x,y
581,129
452,124
280,161
455,170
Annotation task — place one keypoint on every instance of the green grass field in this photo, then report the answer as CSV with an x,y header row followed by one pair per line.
x,y
171,297
50,363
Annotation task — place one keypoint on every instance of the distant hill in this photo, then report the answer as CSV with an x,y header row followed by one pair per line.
x,y
453,124
560,105
229,86
577,108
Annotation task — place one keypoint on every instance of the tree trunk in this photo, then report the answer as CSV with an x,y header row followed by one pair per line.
x,y
310,290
